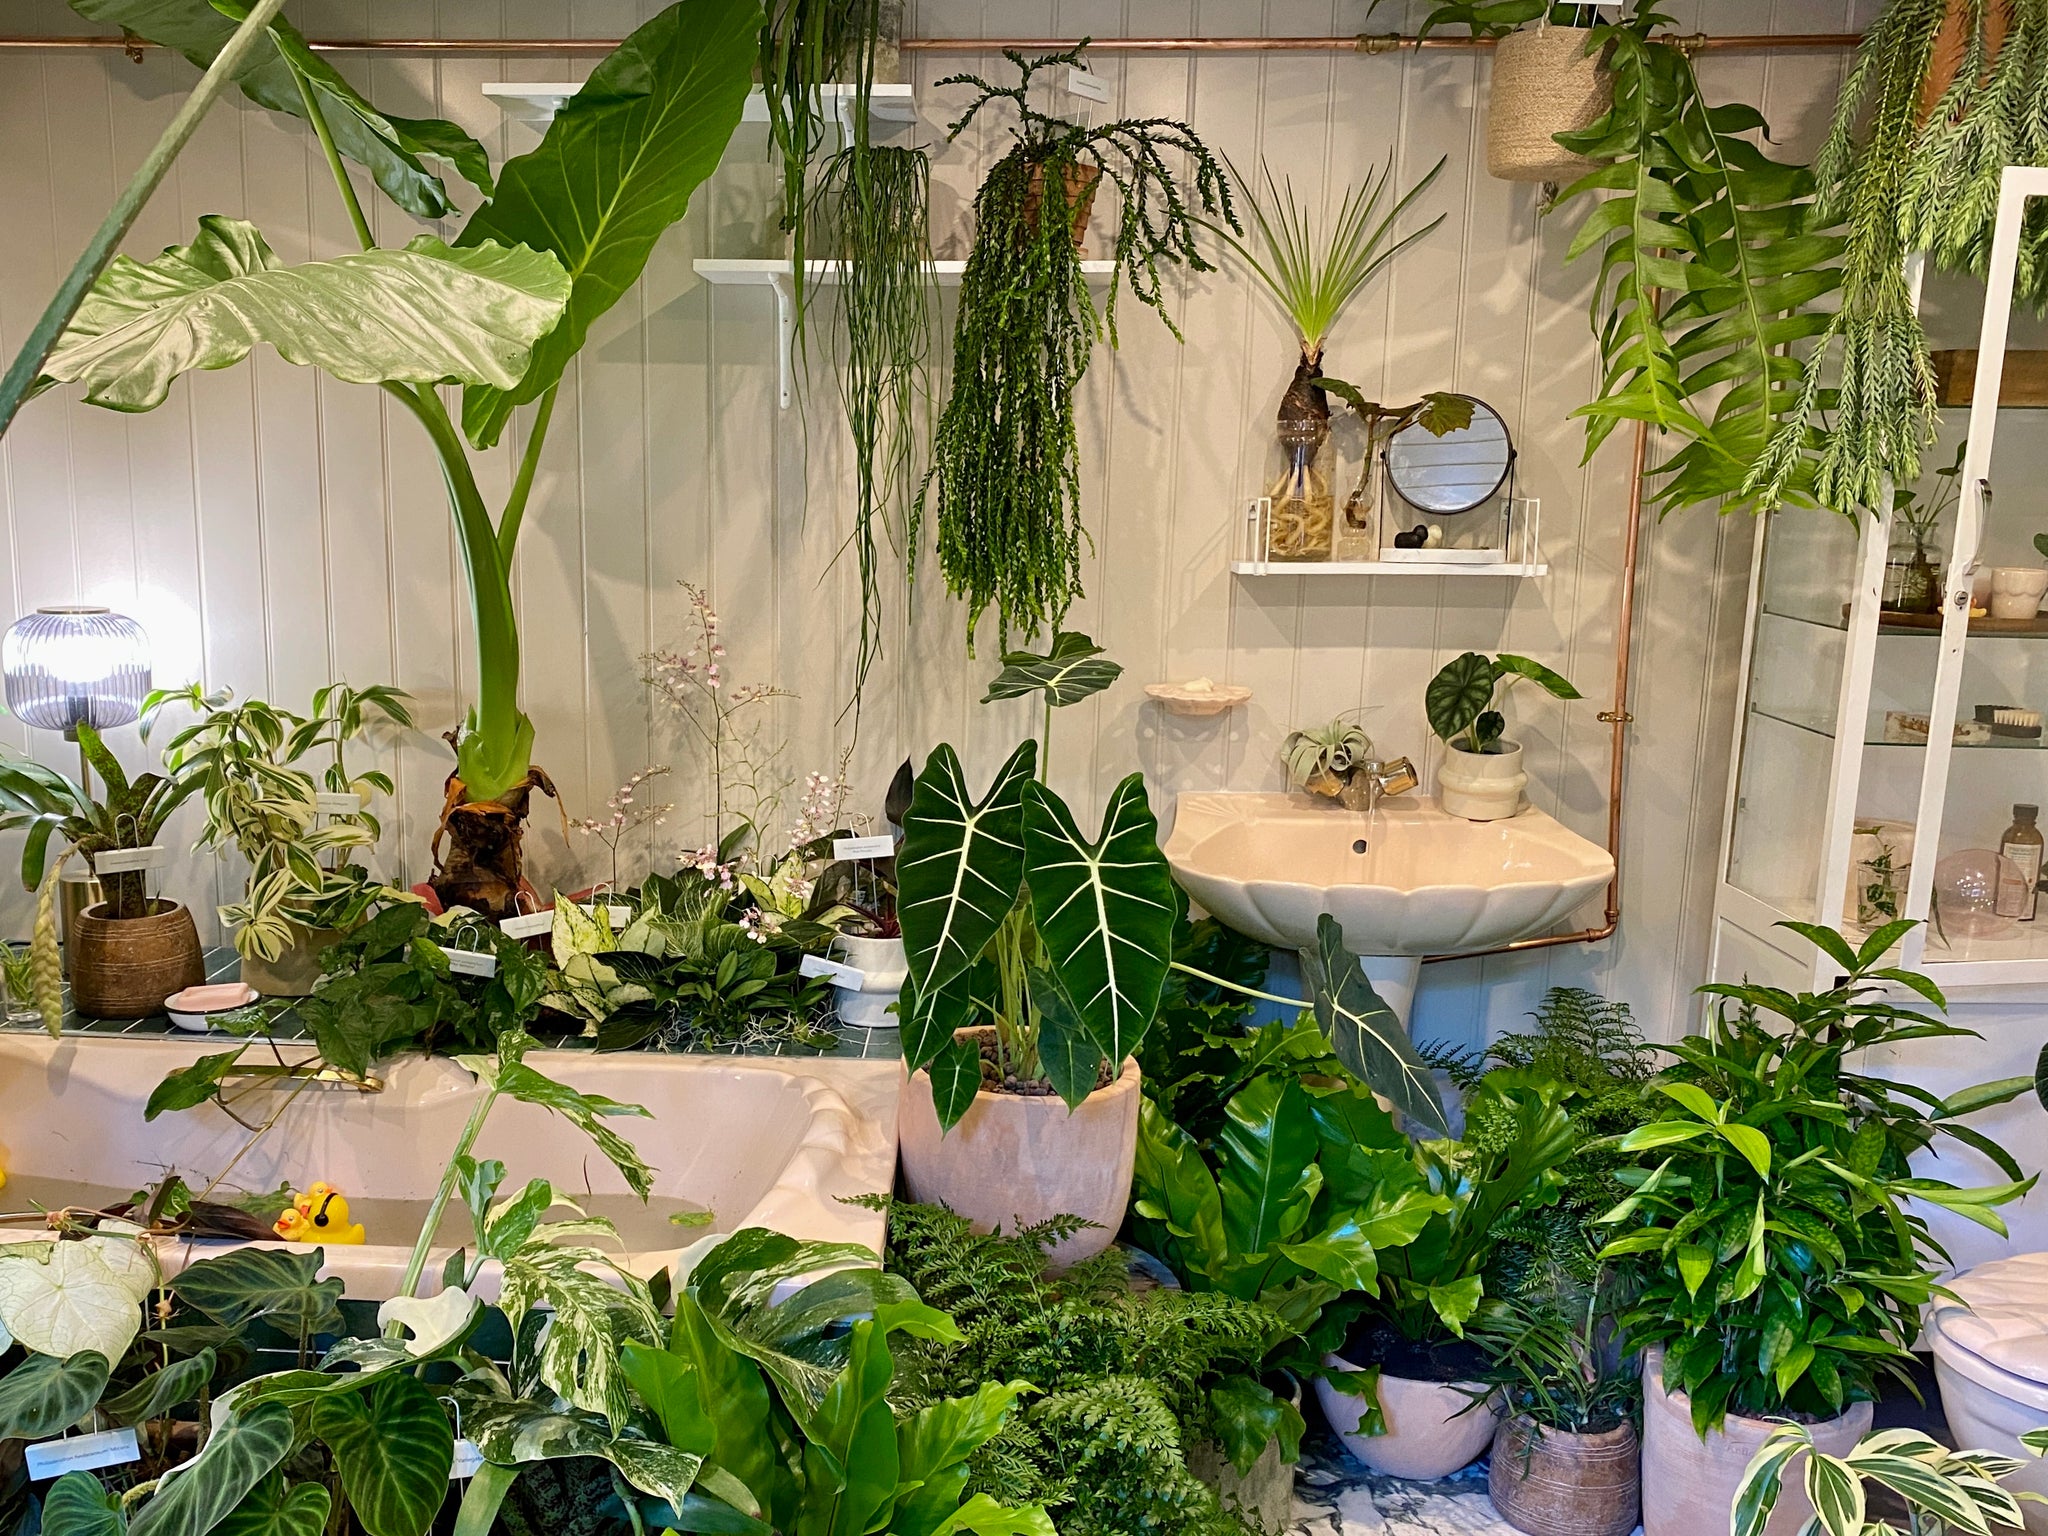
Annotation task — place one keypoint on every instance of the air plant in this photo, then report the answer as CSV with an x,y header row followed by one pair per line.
x,y
1320,758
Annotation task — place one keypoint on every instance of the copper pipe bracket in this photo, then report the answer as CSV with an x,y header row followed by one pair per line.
x,y
1380,42
132,45
1687,43
1615,717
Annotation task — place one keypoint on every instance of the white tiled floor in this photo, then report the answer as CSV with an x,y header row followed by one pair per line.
x,y
1336,1496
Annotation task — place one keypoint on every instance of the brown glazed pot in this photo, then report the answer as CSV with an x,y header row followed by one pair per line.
x,y
1015,1159
1551,1482
124,968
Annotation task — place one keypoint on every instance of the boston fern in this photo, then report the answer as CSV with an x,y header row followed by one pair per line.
x,y
1712,263
1005,453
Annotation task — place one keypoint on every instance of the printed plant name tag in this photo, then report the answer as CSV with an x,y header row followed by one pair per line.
x,y
842,975
470,962
851,848
81,1453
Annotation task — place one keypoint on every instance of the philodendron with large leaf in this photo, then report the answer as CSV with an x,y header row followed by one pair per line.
x,y
500,311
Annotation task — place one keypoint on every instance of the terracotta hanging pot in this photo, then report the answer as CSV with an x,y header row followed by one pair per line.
x,y
124,967
1079,182
1952,45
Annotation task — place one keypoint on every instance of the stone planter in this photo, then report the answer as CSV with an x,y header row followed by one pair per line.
x,y
1433,1428
1264,1496
1016,1159
1552,1482
1481,786
882,963
294,971
1692,1482
1544,84
124,968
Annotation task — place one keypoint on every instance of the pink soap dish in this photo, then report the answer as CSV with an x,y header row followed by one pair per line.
x,y
195,1007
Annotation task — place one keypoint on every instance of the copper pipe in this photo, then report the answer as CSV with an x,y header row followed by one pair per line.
x,y
1618,718
1366,42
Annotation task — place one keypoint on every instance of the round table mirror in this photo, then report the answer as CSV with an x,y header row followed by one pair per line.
x,y
1458,472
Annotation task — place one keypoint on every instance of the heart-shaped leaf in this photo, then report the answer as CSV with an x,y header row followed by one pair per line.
x,y
1459,694
84,1296
78,1504
277,1508
160,1391
1105,910
422,315
280,1286
1367,1035
393,1447
614,172
188,1087
45,1395
193,1499
1073,670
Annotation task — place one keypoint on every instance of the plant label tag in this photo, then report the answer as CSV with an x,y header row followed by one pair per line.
x,y
468,1460
528,924
470,962
338,803
620,916
849,849
1088,85
842,975
116,861
82,1453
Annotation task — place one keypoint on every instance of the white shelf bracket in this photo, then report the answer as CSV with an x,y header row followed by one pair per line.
x,y
785,331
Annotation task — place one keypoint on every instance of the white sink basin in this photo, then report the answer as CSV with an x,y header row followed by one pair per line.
x,y
1406,881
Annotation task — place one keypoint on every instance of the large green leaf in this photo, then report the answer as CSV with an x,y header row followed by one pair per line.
x,y
1367,1035
1175,1195
1459,694
961,864
422,315
279,1286
511,1432
1105,910
932,1448
193,1499
1067,1052
190,1086
956,1078
276,1507
78,1504
393,1447
616,169
391,148
1264,1154
159,1392
1073,670
44,1395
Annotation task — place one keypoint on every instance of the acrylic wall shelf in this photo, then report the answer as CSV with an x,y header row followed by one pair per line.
x,y
778,273
1516,568
540,100
1518,554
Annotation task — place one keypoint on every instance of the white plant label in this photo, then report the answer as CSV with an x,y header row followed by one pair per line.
x,y
338,803
620,916
1088,85
527,924
470,962
116,861
82,1453
468,1460
850,849
842,975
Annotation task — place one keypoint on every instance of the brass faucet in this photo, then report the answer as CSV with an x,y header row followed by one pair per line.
x,y
1373,781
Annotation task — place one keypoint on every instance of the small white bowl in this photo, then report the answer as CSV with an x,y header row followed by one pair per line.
x,y
196,1007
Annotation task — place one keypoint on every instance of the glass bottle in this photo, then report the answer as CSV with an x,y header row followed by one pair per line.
x,y
2021,845
1304,507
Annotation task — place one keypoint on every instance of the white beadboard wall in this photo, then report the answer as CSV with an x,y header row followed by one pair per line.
x,y
275,529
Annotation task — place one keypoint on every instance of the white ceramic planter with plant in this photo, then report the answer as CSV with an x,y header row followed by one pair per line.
x,y
1482,777
1425,1430
883,969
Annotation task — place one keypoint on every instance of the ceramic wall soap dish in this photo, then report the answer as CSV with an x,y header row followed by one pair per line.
x,y
1203,696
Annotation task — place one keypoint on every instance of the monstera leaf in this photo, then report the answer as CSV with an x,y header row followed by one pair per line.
x,y
1105,910
421,315
1367,1036
390,148
616,169
960,866
1073,670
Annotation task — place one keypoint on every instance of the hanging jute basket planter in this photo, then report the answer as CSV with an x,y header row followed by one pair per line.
x,y
1544,84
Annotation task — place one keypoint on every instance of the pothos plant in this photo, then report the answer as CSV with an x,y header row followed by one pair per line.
x,y
500,312
1005,453
1465,698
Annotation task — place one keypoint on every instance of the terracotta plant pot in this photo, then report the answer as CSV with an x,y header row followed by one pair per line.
x,y
1433,1428
1080,182
1264,1496
293,972
1552,1482
1544,84
124,968
1692,1482
1015,1159
1952,44
1481,786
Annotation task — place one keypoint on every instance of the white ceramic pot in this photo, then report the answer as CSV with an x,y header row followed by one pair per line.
x,y
1016,1159
1481,786
1433,1429
1689,1484
2017,590
883,969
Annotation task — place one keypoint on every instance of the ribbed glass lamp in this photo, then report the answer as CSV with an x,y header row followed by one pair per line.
x,y
72,666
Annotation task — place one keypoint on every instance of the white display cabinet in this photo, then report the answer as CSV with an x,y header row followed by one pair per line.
x,y
1854,715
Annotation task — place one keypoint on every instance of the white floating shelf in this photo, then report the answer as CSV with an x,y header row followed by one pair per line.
x,y
539,100
778,273
1385,568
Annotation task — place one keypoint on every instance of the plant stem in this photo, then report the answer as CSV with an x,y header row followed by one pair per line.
x,y
522,486
326,136
259,1133
416,1265
1233,986
28,363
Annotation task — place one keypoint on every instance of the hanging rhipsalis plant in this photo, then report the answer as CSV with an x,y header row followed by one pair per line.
x,y
502,312
1713,264
1005,453
1943,96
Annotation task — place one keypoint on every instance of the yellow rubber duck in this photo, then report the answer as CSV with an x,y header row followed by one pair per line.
x,y
291,1226
319,1215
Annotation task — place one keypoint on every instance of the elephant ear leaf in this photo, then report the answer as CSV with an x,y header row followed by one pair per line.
x,y
1367,1035
961,864
1551,682
616,169
192,1499
1459,694
45,1395
393,1448
1105,910
1074,669
390,148
424,315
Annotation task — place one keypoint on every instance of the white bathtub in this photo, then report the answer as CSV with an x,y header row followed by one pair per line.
x,y
758,1141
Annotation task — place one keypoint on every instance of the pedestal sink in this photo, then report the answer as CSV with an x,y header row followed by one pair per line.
x,y
1405,880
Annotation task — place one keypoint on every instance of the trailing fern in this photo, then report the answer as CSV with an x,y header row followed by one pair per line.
x,y
1711,267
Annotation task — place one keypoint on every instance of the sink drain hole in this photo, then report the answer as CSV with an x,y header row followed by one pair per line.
x,y
1358,846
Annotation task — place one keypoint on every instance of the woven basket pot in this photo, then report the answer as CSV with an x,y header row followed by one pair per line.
x,y
1550,1482
1544,84
124,968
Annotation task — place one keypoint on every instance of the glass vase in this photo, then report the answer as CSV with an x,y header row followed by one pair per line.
x,y
1304,516
1920,583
